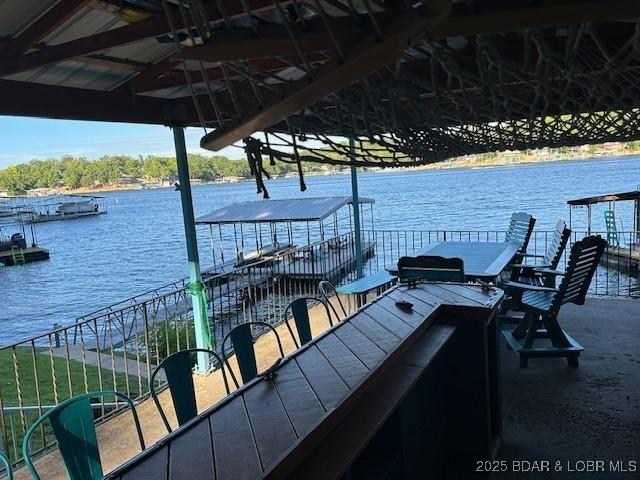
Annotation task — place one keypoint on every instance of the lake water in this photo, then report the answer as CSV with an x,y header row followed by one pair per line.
x,y
140,245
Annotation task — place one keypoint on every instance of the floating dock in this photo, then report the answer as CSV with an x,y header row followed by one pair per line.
x,y
624,259
23,255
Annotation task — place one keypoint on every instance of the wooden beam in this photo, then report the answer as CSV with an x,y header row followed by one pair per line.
x,y
122,64
539,16
43,26
52,101
366,57
152,27
177,79
274,41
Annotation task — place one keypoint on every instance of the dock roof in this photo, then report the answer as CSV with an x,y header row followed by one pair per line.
x,y
277,211
610,197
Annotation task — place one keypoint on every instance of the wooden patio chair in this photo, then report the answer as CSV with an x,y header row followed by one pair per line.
x,y
241,338
178,371
6,465
537,273
328,290
430,268
542,304
298,310
72,424
520,230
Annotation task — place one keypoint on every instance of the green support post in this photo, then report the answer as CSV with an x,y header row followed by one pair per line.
x,y
356,210
196,288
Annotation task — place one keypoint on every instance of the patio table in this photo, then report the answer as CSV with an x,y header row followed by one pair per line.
x,y
362,286
482,260
332,398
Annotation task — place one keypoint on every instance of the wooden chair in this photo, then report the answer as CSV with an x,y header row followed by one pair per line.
x,y
411,270
553,254
520,230
241,338
542,304
298,310
72,425
6,464
328,290
542,273
178,370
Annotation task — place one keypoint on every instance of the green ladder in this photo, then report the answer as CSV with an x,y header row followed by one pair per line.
x,y
17,255
612,231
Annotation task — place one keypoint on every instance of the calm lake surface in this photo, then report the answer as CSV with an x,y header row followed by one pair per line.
x,y
140,245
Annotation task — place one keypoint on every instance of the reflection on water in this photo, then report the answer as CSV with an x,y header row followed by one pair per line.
x,y
139,244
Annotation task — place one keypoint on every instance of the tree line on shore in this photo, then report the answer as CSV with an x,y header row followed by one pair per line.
x,y
76,172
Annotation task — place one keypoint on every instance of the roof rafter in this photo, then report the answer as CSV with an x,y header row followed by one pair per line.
x,y
47,23
274,41
367,56
136,32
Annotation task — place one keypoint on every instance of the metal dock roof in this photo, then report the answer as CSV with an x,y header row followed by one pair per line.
x,y
610,197
274,211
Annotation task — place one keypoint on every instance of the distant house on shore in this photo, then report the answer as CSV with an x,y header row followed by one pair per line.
x,y
127,180
41,192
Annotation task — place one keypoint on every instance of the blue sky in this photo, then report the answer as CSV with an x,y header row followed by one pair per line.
x,y
23,139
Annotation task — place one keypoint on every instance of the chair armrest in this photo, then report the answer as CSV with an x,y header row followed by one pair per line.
x,y
524,286
548,271
528,266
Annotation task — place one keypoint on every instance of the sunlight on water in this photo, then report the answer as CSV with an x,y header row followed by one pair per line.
x,y
139,244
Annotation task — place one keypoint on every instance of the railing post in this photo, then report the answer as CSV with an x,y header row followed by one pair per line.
x,y
356,209
198,295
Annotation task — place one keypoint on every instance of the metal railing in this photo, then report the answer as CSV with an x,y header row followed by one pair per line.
x,y
617,274
118,347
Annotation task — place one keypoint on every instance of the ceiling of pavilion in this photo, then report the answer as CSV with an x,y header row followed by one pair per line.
x,y
413,82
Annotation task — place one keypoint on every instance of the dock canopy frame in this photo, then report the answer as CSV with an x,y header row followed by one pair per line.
x,y
611,199
278,211
257,228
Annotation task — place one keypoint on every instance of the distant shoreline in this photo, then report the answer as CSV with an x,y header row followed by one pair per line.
x,y
445,165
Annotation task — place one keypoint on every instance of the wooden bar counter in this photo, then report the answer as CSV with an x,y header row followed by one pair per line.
x,y
390,392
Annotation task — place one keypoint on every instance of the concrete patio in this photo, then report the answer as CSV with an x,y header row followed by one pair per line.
x,y
560,414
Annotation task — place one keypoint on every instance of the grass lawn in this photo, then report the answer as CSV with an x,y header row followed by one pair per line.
x,y
70,380
43,366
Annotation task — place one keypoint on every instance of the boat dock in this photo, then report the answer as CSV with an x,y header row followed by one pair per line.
x,y
21,256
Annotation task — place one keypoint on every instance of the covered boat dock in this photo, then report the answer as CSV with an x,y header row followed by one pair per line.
x,y
321,227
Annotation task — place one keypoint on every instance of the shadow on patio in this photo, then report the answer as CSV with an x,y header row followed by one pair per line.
x,y
560,414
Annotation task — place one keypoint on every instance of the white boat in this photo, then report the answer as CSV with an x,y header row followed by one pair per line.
x,y
74,208
67,207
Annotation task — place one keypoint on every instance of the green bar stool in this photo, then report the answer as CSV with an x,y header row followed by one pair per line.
x,y
242,341
4,462
178,370
328,289
75,432
299,311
